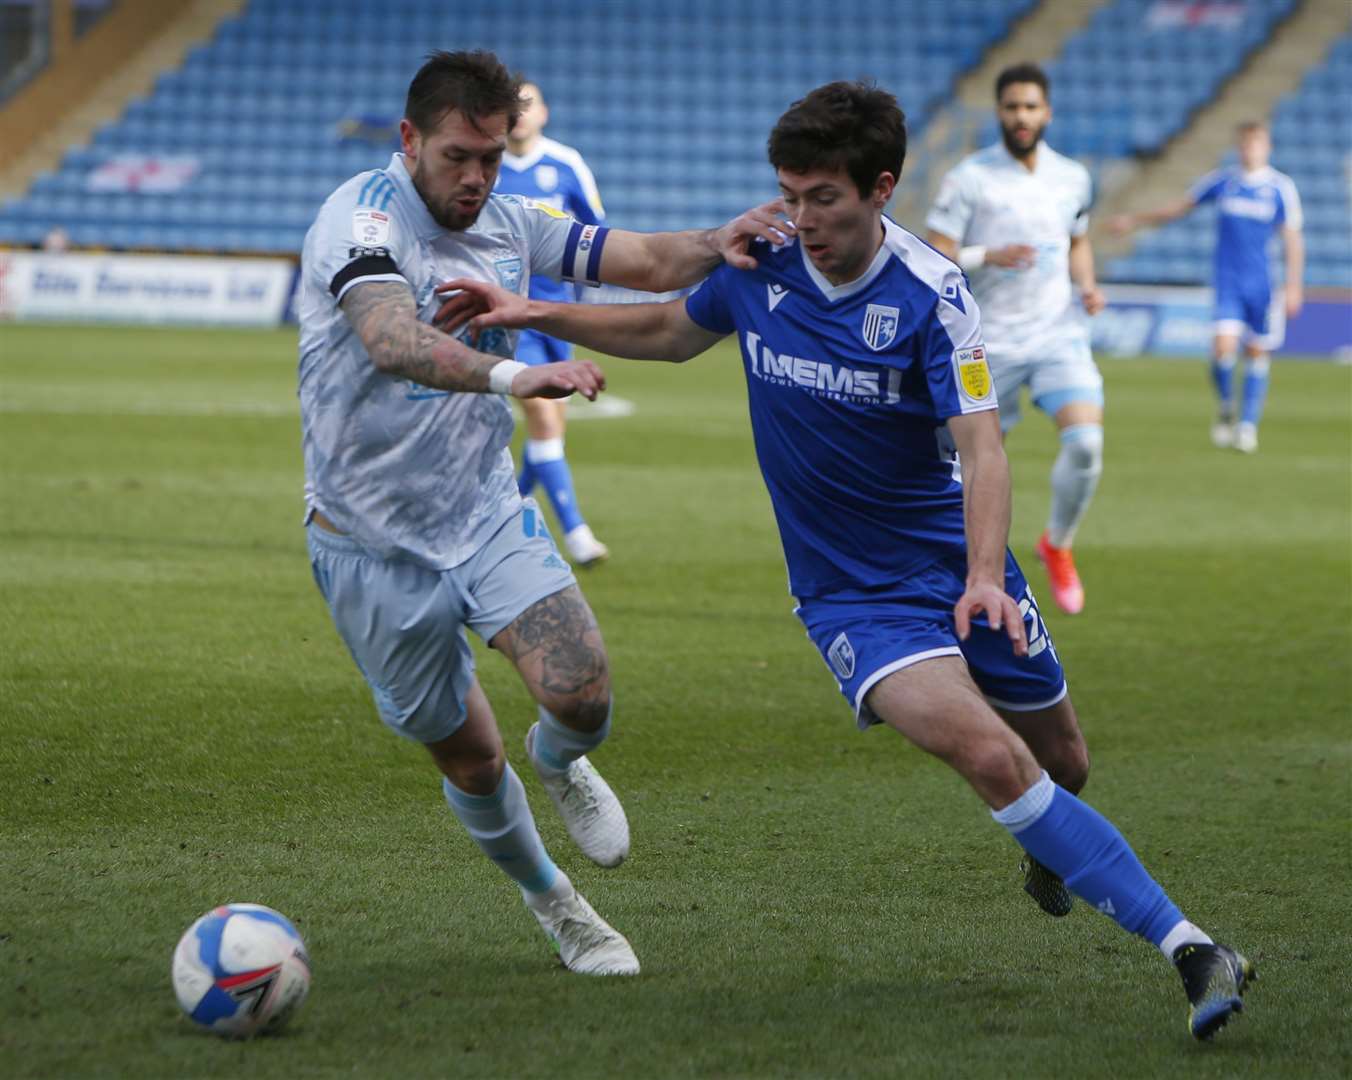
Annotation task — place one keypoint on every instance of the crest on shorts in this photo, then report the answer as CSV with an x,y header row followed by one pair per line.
x,y
509,273
880,326
841,656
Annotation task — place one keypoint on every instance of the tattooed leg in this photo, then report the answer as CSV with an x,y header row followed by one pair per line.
x,y
556,647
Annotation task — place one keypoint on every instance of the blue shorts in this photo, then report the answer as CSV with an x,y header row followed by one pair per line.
x,y
865,638
405,624
535,348
1246,313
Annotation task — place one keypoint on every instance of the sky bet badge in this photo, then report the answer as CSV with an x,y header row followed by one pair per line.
x,y
974,376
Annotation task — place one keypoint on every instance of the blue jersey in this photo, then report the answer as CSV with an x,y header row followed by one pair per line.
x,y
556,175
1252,207
849,389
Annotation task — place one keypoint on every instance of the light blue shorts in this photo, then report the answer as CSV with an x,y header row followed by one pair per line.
x,y
1062,372
405,624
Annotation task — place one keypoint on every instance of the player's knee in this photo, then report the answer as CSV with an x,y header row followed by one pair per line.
x,y
995,768
476,770
1083,444
1258,365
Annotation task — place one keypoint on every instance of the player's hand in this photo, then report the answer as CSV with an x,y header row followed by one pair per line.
x,y
480,304
1295,300
766,222
1093,300
1011,257
560,380
1000,610
1120,224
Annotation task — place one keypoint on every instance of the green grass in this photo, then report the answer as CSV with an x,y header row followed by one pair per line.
x,y
180,726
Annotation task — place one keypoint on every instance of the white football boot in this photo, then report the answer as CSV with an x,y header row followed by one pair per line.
x,y
1246,438
583,547
1223,434
587,944
593,815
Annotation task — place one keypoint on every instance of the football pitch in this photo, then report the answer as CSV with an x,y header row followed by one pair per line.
x,y
180,726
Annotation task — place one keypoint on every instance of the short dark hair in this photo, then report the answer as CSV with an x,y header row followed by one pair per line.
x,y
1025,72
475,84
1250,127
853,126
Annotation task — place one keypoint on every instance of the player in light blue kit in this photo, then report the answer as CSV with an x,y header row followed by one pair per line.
x,y
415,526
549,172
1254,201
868,383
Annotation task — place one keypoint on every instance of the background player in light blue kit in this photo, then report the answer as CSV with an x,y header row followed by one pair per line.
x,y
549,172
868,382
414,523
1253,202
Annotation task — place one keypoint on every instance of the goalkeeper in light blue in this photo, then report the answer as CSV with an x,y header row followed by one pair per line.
x,y
876,427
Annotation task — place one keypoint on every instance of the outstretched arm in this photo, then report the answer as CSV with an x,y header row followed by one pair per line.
x,y
985,501
385,319
635,331
1121,224
660,262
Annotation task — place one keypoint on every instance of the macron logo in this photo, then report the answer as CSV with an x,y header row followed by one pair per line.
x,y
953,296
774,294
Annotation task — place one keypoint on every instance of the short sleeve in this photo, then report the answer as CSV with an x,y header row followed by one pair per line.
x,y
1289,213
585,202
1080,225
953,207
1208,187
358,237
956,366
560,246
708,305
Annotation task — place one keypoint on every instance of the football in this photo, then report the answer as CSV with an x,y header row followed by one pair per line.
x,y
241,969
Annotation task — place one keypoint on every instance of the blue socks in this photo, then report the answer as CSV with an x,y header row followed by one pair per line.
x,y
502,825
557,746
544,464
1223,379
1086,851
1255,390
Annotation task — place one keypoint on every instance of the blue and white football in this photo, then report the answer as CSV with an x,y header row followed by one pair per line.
x,y
241,969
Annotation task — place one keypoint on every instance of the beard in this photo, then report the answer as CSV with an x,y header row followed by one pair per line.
x,y
1017,150
444,212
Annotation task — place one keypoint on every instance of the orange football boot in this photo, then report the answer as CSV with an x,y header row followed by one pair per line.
x,y
1066,588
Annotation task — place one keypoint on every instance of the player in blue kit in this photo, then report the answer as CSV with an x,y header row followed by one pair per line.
x,y
1254,202
868,383
554,175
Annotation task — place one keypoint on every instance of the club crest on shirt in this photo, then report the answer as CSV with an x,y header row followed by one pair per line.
x,y
546,177
841,656
880,326
974,374
509,273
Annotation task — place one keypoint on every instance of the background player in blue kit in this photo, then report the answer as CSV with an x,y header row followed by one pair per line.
x,y
549,172
867,381
1253,201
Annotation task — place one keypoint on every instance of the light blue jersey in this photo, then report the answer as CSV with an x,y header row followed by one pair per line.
x,y
555,174
404,470
850,387
1252,208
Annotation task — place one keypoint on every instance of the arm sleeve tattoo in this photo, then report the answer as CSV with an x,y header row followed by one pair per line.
x,y
386,321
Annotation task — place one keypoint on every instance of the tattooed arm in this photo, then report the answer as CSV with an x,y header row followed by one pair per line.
x,y
386,320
